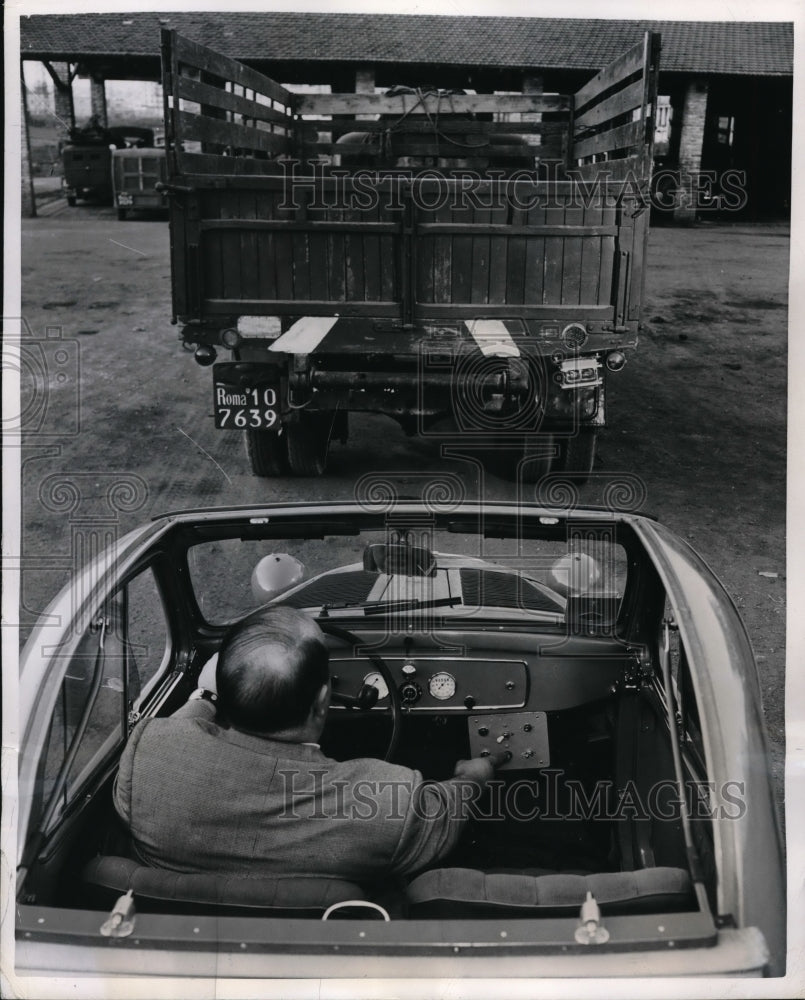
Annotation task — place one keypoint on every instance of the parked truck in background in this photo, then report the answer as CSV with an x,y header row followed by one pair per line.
x,y
447,258
87,158
135,176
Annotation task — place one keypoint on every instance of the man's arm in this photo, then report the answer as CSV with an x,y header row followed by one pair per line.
x,y
438,812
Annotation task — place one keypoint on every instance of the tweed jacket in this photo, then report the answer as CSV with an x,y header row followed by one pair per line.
x,y
198,797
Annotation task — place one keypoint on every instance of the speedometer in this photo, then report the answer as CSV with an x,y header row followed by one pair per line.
x,y
442,686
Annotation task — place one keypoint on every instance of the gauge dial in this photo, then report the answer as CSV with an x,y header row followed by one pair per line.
x,y
376,680
442,686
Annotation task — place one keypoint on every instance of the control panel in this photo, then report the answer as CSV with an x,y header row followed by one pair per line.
x,y
523,736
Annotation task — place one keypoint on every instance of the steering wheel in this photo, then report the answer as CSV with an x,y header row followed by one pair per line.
x,y
395,702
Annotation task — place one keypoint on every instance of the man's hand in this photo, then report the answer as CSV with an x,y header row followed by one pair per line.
x,y
479,769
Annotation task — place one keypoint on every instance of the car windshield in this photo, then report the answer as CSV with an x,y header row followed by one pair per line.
x,y
376,572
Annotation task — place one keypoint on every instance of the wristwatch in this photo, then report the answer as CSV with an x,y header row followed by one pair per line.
x,y
202,694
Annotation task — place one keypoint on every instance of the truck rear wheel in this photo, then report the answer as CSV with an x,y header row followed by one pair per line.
x,y
121,215
577,454
268,453
535,460
71,199
308,443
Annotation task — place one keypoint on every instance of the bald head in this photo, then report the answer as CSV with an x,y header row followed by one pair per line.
x,y
270,671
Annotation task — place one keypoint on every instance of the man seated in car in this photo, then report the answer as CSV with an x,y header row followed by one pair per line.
x,y
242,786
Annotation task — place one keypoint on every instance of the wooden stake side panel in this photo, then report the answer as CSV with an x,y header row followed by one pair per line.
x,y
613,114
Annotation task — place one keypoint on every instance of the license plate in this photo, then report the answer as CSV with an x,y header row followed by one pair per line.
x,y
246,407
124,199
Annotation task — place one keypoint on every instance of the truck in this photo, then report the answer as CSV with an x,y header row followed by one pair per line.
x,y
87,158
470,264
135,175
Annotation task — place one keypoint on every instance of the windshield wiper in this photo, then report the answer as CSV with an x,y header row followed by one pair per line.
x,y
386,607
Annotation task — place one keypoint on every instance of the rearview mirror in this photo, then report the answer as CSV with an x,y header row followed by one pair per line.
x,y
397,559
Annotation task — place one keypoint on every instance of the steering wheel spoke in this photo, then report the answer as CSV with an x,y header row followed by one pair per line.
x,y
363,701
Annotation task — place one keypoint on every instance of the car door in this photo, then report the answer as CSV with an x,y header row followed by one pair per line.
x,y
104,666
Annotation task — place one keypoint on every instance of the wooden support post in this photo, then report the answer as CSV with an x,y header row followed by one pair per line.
x,y
532,84
364,84
97,96
63,106
28,195
694,113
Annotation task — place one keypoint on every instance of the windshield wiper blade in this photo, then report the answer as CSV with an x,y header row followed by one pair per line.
x,y
386,607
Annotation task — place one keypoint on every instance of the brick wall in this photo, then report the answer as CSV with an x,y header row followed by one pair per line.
x,y
693,115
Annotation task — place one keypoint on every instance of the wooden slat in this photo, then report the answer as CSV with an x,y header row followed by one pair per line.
x,y
591,254
333,189
479,291
461,271
354,264
249,246
308,225
193,54
554,257
572,257
356,104
637,256
230,247
198,167
528,310
547,150
628,99
265,207
498,253
424,270
204,93
447,125
282,247
373,260
503,229
615,172
516,253
446,150
442,257
630,62
199,127
299,307
535,256
623,137
609,214
211,259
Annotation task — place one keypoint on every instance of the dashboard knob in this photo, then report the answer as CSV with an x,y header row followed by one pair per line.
x,y
409,670
410,692
469,701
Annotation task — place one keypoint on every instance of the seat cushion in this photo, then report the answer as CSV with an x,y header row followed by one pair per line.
x,y
465,892
161,890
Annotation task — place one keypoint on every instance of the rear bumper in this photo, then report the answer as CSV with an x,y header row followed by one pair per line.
x,y
741,953
507,395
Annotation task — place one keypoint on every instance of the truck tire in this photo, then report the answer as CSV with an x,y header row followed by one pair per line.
x,y
71,200
121,215
535,460
577,454
268,453
308,443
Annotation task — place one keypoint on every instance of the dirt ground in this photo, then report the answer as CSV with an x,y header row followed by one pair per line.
x,y
698,414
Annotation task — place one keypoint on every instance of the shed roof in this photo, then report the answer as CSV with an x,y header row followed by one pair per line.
x,y
724,47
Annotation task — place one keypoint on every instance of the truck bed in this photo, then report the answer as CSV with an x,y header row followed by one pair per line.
x,y
412,208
